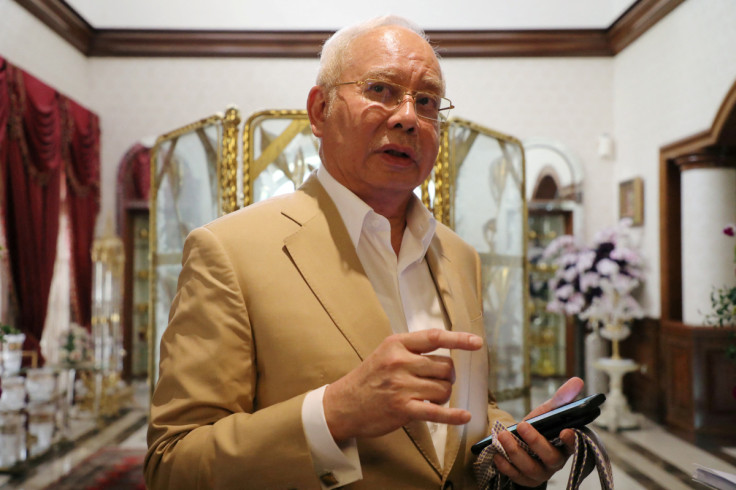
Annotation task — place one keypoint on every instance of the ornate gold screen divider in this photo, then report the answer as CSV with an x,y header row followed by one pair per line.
x,y
279,152
182,160
494,220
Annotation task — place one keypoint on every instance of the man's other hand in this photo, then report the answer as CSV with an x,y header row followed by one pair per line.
x,y
392,386
525,470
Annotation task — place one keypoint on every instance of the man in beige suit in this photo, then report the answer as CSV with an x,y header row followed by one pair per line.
x,y
334,336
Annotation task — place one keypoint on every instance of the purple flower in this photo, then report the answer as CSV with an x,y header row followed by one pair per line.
x,y
589,280
575,304
730,230
565,291
607,267
555,306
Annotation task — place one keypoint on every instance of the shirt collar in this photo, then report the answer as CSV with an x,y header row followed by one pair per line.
x,y
419,220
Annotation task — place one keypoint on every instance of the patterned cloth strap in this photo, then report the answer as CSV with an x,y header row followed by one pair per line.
x,y
587,447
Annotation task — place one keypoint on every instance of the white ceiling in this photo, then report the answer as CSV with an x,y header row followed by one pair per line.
x,y
284,15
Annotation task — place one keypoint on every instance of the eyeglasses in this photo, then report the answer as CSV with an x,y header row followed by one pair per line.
x,y
390,96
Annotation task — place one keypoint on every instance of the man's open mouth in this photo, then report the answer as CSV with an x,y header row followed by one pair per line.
x,y
397,153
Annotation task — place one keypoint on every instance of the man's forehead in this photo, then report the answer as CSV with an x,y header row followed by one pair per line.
x,y
390,52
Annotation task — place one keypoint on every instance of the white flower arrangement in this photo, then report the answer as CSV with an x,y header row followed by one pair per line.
x,y
76,345
596,282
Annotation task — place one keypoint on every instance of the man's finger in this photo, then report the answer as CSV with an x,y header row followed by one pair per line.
x,y
437,367
429,340
552,457
431,412
565,394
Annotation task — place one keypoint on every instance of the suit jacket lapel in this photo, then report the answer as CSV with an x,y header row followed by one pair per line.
x,y
440,269
326,258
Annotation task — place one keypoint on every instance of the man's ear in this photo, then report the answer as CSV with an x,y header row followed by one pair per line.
x,y
317,109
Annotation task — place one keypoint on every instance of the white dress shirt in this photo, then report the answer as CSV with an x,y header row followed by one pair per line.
x,y
406,291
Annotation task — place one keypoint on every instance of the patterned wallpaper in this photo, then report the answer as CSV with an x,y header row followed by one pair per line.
x,y
665,86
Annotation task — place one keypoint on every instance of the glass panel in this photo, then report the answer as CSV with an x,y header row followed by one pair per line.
x,y
280,152
186,194
488,209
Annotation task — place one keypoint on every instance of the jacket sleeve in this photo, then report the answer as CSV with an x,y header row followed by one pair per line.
x,y
205,429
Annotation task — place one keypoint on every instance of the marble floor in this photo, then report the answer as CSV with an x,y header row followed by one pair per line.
x,y
646,458
129,430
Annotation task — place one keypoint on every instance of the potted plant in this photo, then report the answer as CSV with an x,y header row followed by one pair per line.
x,y
723,307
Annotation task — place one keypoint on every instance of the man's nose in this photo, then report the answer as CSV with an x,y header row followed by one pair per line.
x,y
405,114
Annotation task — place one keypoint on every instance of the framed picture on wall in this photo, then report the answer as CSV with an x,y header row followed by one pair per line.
x,y
631,200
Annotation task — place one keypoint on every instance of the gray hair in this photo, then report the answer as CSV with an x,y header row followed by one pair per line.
x,y
335,50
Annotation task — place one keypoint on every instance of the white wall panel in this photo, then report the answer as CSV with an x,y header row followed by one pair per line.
x,y
669,84
27,43
665,86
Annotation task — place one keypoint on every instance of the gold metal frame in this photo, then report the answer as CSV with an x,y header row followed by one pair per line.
x,y
228,168
226,158
631,200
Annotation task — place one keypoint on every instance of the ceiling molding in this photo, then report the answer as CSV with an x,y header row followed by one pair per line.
x,y
65,21
637,20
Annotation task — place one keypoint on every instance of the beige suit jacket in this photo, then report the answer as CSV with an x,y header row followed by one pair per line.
x,y
272,302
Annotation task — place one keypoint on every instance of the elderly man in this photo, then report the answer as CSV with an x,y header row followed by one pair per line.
x,y
334,336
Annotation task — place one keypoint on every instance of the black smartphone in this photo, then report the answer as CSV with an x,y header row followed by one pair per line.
x,y
550,424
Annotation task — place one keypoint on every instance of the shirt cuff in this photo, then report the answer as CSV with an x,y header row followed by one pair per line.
x,y
335,464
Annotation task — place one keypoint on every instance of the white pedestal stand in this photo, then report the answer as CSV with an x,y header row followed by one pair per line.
x,y
615,413
595,348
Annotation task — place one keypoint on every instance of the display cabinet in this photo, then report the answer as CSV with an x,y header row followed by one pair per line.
x,y
554,190
133,187
551,334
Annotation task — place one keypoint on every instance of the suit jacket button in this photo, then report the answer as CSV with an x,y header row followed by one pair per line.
x,y
448,485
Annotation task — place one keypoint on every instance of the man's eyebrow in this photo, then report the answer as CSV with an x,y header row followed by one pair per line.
x,y
429,84
434,85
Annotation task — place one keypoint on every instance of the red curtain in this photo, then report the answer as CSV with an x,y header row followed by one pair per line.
x,y
42,134
83,184
31,176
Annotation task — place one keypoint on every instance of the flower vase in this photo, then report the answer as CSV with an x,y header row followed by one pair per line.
x,y
615,332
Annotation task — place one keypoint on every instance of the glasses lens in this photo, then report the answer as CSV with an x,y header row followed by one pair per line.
x,y
427,104
383,93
